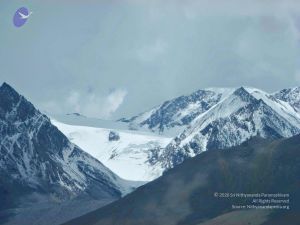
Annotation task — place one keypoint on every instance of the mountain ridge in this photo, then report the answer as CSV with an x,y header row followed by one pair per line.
x,y
218,118
236,115
38,163
145,118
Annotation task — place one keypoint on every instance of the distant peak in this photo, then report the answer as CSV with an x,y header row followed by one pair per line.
x,y
6,86
242,93
241,90
294,89
11,100
6,89
75,114
287,93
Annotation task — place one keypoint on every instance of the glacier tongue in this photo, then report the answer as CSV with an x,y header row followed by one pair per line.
x,y
129,157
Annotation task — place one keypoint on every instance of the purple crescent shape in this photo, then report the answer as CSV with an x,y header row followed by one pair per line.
x,y
18,20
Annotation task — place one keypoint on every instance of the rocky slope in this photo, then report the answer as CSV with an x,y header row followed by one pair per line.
x,y
176,114
219,118
243,114
291,96
38,164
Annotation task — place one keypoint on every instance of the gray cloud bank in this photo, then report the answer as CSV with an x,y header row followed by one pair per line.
x,y
116,58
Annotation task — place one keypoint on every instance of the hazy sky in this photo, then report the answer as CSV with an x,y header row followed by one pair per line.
x,y
117,58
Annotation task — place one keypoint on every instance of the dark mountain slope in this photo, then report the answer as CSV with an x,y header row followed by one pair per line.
x,y
185,195
39,165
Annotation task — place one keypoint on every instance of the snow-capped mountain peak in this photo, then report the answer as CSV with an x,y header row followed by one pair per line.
x,y
38,158
245,113
290,96
213,118
173,116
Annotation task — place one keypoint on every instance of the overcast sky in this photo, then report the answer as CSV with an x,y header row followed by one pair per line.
x,y
110,59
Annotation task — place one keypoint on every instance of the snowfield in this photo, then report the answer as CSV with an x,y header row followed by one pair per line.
x,y
183,127
127,157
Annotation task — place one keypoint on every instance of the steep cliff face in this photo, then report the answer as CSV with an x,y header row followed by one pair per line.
x,y
39,163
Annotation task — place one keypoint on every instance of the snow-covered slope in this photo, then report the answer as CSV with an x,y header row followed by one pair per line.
x,y
283,108
129,156
213,118
36,159
290,96
175,115
245,113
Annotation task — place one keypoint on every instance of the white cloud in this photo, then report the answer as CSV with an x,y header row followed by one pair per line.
x,y
74,101
93,105
113,101
87,103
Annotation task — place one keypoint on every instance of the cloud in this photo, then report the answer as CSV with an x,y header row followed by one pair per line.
x,y
94,105
74,101
88,103
113,101
160,48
